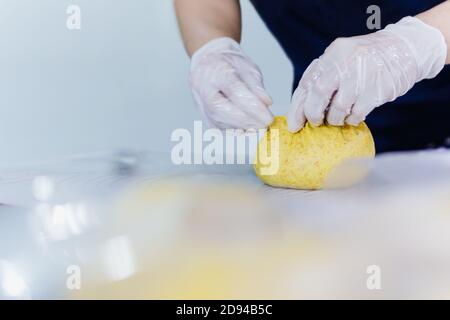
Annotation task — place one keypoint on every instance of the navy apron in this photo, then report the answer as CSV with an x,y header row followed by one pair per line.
x,y
418,120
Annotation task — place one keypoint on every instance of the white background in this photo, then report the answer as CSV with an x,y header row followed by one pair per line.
x,y
119,82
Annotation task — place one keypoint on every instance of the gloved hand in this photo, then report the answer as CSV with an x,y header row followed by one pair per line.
x,y
228,87
355,75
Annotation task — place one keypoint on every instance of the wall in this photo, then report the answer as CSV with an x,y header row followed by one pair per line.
x,y
119,82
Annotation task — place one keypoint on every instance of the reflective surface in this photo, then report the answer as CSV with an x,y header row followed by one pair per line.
x,y
83,228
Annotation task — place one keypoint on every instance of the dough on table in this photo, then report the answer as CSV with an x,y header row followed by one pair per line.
x,y
306,159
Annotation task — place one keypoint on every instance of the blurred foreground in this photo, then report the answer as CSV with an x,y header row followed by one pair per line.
x,y
133,226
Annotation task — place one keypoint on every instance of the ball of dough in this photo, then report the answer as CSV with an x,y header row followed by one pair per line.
x,y
305,159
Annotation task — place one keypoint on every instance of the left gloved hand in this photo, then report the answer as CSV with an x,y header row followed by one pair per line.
x,y
355,75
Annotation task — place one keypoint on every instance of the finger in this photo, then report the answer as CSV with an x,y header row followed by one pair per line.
x,y
368,99
240,95
359,113
254,81
296,117
202,108
342,102
226,115
319,95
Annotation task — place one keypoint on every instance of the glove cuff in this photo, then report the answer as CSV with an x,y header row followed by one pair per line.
x,y
427,45
222,44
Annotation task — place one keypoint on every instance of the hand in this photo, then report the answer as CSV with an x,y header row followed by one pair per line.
x,y
228,87
355,75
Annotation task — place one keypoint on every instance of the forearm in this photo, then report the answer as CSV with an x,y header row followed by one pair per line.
x,y
203,20
439,17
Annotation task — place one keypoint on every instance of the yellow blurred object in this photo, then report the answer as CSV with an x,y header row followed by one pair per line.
x,y
305,159
177,239
196,270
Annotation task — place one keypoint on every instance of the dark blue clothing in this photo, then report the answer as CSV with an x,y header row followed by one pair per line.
x,y
305,28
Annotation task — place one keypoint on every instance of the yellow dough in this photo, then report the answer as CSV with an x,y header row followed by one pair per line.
x,y
304,160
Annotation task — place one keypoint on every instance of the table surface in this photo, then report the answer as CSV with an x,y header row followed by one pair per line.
x,y
104,172
398,217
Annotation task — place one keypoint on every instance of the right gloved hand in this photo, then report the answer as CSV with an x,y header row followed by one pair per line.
x,y
228,87
358,74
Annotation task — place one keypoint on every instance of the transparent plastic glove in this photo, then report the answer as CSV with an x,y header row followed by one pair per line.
x,y
228,87
355,75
